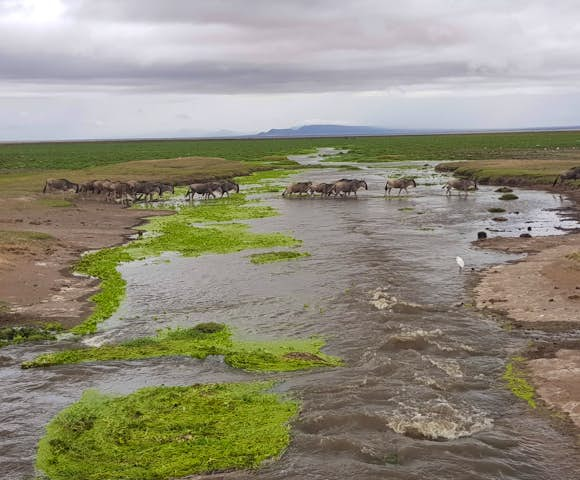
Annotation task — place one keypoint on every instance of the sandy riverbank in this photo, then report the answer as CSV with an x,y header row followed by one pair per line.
x,y
542,292
36,282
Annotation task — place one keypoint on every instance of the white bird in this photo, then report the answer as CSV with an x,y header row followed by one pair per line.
x,y
460,262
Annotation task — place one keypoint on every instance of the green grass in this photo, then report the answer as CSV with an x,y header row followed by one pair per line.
x,y
17,335
159,433
266,176
80,155
515,377
199,342
509,196
17,237
175,233
574,256
269,257
54,202
496,210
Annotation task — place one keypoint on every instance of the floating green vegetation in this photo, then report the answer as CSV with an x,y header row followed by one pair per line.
x,y
199,342
16,335
406,209
503,190
509,196
269,257
515,376
177,234
264,189
496,210
54,202
159,433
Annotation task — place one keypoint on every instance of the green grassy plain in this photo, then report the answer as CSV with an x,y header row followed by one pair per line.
x,y
484,146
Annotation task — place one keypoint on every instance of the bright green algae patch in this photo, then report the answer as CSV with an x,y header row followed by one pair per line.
x,y
199,342
517,383
166,432
177,233
269,257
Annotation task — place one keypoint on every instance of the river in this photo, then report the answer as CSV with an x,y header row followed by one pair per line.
x,y
421,395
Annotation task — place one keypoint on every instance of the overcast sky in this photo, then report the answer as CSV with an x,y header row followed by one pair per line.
x,y
139,68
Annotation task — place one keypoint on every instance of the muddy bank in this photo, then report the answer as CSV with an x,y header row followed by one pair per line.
x,y
36,282
542,292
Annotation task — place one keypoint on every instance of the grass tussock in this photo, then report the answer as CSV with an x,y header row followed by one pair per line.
x,y
515,377
516,172
269,257
159,433
496,210
509,196
17,335
199,342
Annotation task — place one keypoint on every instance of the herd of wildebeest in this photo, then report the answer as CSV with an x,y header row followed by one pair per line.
x,y
132,191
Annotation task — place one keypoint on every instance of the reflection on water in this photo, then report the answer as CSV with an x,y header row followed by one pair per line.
x,y
421,395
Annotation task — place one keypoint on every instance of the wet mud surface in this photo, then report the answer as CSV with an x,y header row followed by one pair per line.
x,y
421,394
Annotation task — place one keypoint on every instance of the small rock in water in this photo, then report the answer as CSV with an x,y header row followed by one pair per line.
x,y
525,235
529,229
499,219
481,235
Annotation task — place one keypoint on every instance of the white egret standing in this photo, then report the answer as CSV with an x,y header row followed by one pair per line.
x,y
460,262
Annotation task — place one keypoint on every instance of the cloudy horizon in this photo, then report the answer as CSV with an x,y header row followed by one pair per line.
x,y
79,69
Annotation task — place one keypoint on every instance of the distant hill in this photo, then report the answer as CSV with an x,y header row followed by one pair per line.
x,y
328,131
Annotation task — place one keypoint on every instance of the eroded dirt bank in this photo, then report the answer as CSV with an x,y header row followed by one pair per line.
x,y
36,283
542,292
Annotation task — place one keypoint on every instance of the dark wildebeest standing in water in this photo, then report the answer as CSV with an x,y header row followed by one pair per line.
x,y
203,189
345,187
400,183
570,174
323,188
228,186
60,185
299,188
462,184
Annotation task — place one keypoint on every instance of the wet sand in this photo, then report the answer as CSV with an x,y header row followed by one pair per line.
x,y
36,280
542,292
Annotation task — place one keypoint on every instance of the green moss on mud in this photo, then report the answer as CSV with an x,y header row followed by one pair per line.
x,y
16,335
515,377
177,233
496,210
199,342
269,257
162,433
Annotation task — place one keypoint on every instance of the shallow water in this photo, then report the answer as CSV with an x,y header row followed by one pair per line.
x,y
421,395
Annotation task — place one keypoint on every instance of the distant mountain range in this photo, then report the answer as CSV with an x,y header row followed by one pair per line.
x,y
329,131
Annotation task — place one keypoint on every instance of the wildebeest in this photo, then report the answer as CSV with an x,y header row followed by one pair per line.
x,y
228,186
166,187
203,189
60,185
462,184
570,174
400,183
87,187
347,186
101,186
121,192
145,190
299,188
323,188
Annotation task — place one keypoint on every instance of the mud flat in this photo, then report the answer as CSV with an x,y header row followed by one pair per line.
x,y
542,293
39,245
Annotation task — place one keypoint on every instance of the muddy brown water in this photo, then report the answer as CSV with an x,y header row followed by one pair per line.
x,y
421,394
